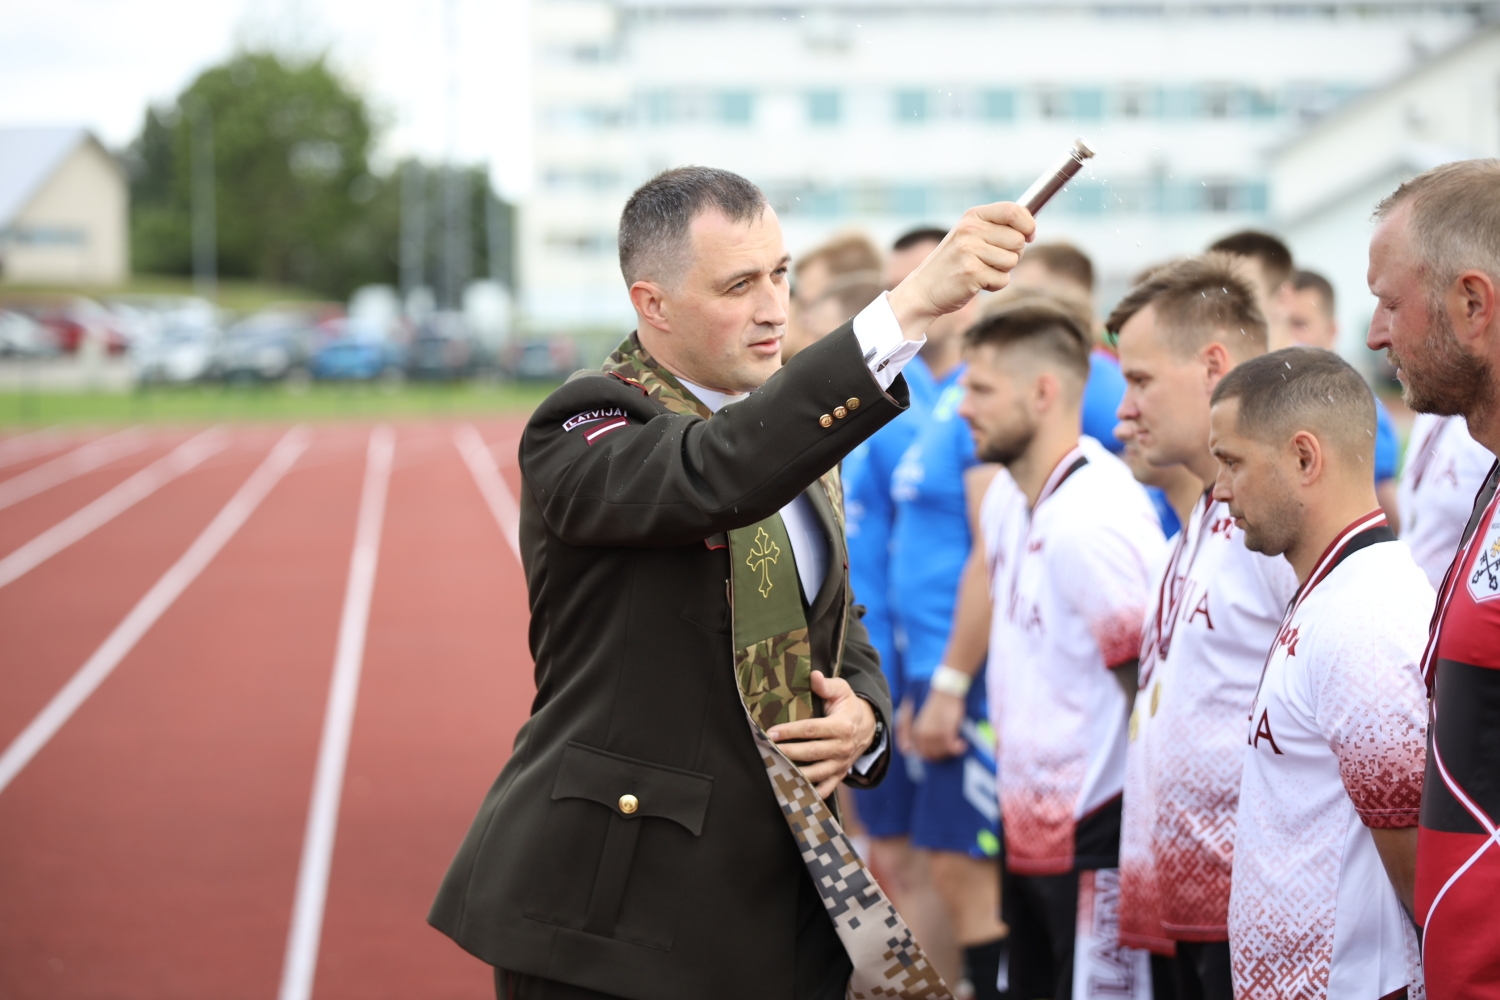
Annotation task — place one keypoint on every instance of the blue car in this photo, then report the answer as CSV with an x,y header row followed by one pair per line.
x,y
354,357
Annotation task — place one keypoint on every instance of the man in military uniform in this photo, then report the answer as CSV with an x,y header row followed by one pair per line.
x,y
703,680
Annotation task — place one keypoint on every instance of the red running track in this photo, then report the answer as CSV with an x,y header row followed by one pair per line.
x,y
151,848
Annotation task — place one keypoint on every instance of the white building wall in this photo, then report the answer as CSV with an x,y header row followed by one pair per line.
x,y
933,108
75,229
1328,181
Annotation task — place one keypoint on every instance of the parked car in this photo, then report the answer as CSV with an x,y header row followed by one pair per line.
x,y
182,352
443,349
351,353
266,347
23,337
541,359
70,320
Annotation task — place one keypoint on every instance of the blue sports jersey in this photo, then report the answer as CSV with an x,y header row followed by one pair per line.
x,y
1387,450
1101,399
930,542
1171,524
869,514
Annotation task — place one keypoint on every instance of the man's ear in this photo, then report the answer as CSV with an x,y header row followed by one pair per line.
x,y
1045,392
1472,307
650,301
1216,363
1307,450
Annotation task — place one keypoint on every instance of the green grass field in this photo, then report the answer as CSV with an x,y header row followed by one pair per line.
x,y
270,403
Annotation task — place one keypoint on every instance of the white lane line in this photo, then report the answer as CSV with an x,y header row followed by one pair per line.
x,y
497,495
70,466
24,446
100,512
151,607
338,722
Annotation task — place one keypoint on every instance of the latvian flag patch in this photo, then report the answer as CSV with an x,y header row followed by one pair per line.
x,y
612,416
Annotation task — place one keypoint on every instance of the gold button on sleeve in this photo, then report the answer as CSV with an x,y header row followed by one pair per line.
x,y
629,804
840,412
852,402
825,421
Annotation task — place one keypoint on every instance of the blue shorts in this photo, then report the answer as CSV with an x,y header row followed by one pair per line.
x,y
946,805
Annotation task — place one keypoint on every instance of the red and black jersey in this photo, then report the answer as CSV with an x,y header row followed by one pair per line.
x,y
1458,851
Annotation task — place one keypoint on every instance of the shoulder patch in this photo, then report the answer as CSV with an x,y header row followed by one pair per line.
x,y
590,416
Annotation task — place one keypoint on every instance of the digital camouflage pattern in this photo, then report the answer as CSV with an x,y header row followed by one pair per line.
x,y
774,677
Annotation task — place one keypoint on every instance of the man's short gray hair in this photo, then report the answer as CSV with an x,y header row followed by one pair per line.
x,y
1455,219
655,228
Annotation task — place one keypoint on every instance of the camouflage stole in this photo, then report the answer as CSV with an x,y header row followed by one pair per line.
x,y
773,664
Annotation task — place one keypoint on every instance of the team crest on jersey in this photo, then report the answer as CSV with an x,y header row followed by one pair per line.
x,y
1484,575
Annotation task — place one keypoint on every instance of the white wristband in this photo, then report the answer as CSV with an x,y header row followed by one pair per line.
x,y
946,680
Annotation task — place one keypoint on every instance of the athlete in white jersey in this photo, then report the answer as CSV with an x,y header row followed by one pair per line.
x,y
1325,852
1444,469
1216,609
1070,546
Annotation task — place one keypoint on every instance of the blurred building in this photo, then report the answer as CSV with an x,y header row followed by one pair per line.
x,y
888,113
1327,181
64,203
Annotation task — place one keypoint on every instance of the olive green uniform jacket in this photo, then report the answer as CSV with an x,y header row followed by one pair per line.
x,y
696,894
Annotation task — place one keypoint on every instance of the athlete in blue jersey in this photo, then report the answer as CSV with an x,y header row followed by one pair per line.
x,y
869,515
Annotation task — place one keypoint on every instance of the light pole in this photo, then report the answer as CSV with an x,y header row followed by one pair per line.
x,y
205,232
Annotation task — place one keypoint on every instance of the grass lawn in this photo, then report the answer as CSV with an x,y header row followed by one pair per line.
x,y
275,403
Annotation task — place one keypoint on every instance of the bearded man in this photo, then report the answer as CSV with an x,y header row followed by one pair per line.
x,y
1435,269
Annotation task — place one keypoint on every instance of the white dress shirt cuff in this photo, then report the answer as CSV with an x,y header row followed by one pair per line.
x,y
863,765
884,348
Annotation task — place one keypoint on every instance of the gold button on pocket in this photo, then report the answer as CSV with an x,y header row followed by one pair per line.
x,y
825,421
852,402
840,412
629,804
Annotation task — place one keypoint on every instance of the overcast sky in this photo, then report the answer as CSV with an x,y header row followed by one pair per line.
x,y
99,63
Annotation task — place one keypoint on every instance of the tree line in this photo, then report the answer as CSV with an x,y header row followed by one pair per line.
x,y
295,198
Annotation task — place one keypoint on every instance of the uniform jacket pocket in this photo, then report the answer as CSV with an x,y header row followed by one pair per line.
x,y
622,820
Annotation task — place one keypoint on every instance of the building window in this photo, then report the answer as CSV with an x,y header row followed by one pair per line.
x,y
911,106
1087,104
908,199
823,107
658,107
998,105
734,107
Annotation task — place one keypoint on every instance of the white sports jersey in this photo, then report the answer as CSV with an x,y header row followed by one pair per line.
x,y
1444,469
1069,584
1219,606
1337,744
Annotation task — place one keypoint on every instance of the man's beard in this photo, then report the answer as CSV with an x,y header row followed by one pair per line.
x,y
1008,445
1275,530
1444,378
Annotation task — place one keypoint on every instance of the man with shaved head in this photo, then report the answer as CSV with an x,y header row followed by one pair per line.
x,y
704,685
1325,851
1435,271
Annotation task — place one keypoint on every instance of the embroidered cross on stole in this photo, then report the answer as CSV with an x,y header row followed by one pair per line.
x,y
773,667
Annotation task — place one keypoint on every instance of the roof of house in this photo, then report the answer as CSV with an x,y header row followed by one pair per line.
x,y
28,157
